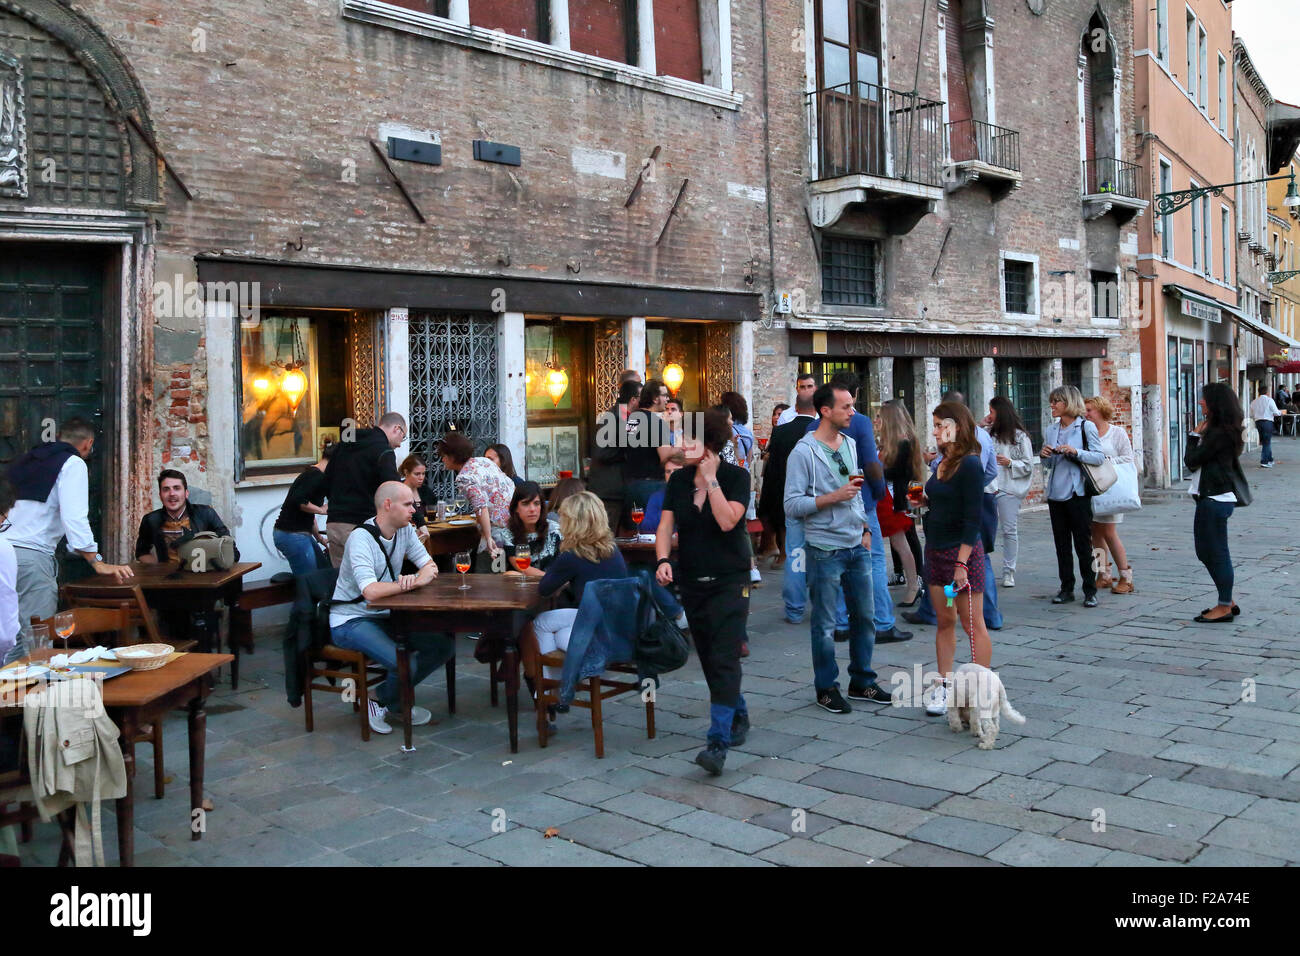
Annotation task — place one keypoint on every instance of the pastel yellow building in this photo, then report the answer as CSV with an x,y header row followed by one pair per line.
x,y
1283,256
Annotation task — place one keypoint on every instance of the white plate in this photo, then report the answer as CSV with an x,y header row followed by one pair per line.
x,y
25,672
461,522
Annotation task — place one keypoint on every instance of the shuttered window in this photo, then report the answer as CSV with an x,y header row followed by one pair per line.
x,y
604,28
677,39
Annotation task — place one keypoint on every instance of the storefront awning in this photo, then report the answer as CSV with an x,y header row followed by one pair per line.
x,y
1263,331
1199,306
305,285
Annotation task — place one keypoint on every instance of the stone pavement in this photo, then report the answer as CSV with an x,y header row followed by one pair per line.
x,y
1136,717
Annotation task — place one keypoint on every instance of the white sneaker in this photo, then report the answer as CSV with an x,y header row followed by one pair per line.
x,y
936,700
1008,579
755,577
419,716
682,622
379,718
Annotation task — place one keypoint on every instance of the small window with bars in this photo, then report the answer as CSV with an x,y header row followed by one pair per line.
x,y
1019,381
1018,286
850,271
1072,373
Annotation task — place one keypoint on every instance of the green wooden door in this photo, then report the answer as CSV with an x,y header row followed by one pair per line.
x,y
52,353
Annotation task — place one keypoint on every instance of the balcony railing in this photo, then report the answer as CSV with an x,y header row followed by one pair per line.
x,y
974,141
865,129
1109,175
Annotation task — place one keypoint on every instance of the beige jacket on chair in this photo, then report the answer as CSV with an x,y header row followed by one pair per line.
x,y
74,758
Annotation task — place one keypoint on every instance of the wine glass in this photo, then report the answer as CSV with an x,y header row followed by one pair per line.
x,y
65,623
460,504
523,561
914,492
462,565
638,515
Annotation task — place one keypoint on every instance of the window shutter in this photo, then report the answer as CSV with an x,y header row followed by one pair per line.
x,y
962,138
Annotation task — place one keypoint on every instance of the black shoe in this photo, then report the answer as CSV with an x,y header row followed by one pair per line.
x,y
914,617
831,700
872,692
1063,597
841,637
1090,600
911,603
712,757
1235,610
891,636
739,729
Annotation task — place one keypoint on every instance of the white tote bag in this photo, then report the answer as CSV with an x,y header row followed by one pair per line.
x,y
1124,495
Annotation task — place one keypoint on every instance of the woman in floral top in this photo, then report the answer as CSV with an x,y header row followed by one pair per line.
x,y
529,523
485,486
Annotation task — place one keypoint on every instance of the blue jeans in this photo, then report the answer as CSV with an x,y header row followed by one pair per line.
x,y
794,585
369,635
1265,429
883,603
843,574
1210,532
300,551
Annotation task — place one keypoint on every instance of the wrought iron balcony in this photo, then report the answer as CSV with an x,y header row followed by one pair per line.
x,y
870,143
980,150
1113,186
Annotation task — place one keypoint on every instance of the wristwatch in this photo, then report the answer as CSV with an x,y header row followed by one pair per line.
x,y
714,484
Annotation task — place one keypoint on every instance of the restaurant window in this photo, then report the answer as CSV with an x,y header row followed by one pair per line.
x,y
1105,295
1072,373
293,375
604,28
823,370
556,373
1019,381
850,271
679,344
1018,287
954,376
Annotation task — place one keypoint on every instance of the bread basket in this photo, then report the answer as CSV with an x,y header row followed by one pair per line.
x,y
144,657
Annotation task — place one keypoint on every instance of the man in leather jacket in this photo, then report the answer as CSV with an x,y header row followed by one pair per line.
x,y
177,521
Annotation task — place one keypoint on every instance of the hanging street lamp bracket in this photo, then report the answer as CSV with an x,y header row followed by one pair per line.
x,y
1171,202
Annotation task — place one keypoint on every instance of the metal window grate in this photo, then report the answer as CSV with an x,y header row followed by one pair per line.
x,y
453,384
1020,381
849,271
1018,277
1072,373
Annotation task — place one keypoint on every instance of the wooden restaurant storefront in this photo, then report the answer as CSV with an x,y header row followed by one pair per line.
x,y
525,362
918,368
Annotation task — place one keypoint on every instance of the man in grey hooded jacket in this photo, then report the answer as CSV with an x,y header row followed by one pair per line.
x,y
823,486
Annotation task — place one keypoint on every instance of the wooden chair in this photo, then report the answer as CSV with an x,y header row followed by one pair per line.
x,y
119,620
597,689
133,599
353,666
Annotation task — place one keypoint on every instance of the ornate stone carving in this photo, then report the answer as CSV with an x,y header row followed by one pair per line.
x,y
13,139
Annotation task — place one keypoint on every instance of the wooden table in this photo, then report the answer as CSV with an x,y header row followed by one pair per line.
x,y
142,697
641,552
494,605
188,591
445,539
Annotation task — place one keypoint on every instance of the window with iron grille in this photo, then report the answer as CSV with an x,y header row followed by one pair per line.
x,y
1019,381
954,376
850,271
1018,286
1072,373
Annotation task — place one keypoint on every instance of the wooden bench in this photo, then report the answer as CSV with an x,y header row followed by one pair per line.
x,y
281,588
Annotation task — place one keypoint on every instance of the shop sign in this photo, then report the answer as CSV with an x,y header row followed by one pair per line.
x,y
1199,310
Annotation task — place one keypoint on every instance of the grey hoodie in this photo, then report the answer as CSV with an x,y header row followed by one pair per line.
x,y
809,474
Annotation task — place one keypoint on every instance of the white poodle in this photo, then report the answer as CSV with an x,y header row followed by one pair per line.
x,y
977,699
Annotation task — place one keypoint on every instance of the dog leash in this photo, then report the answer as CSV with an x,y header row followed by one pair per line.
x,y
951,591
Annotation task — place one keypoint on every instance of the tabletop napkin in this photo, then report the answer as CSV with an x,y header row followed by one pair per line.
x,y
99,653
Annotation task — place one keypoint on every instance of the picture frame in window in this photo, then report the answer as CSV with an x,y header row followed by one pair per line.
x,y
565,441
274,432
539,454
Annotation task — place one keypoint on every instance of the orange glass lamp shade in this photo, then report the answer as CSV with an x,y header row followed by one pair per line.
x,y
294,386
556,384
673,377
261,384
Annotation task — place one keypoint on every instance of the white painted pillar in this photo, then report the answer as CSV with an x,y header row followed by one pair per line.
x,y
560,24
724,43
512,401
219,342
983,386
927,398
634,336
458,11
645,36
397,353
742,343
1091,377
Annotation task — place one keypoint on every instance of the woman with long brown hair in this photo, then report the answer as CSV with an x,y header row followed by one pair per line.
x,y
954,548
900,453
1213,456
